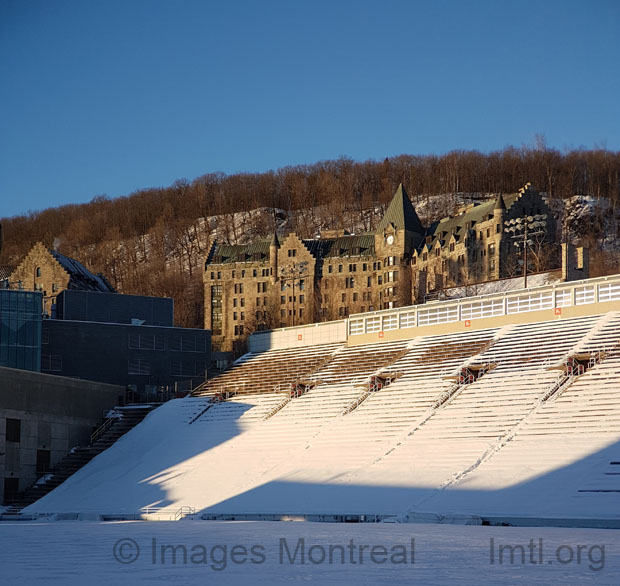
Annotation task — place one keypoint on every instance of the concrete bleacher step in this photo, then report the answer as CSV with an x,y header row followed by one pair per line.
x,y
80,456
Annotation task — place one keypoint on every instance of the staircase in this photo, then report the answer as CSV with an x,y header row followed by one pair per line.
x,y
125,419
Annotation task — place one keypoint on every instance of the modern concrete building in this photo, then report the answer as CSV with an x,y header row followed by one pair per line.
x,y
126,340
41,418
287,281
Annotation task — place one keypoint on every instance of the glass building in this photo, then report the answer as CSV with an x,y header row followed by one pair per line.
x,y
20,329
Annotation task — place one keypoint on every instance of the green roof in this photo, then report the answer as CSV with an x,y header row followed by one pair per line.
x,y
401,214
458,224
231,253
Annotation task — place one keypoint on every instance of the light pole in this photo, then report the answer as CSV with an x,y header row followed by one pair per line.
x,y
522,229
292,273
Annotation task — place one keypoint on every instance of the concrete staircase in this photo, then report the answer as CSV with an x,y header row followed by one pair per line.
x,y
125,419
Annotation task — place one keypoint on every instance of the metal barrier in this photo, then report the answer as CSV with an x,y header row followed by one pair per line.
x,y
438,312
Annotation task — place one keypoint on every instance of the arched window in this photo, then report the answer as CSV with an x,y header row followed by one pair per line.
x,y
38,271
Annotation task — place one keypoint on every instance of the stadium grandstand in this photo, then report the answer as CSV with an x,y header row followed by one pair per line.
x,y
496,409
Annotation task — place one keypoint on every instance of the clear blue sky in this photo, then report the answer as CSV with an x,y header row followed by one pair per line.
x,y
108,96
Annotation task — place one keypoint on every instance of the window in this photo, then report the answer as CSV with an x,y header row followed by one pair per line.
x,y
498,228
13,430
414,260
233,274
238,330
352,268
488,232
261,287
136,366
302,284
54,287
51,363
242,316
364,267
330,269
437,251
349,282
301,312
369,282
282,299
242,302
43,461
302,299
38,271
343,297
235,302
354,296
235,315
339,268
292,252
283,313
219,274
451,246
424,256
242,273
254,272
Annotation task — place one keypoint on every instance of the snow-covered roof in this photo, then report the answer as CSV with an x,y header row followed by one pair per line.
x,y
81,275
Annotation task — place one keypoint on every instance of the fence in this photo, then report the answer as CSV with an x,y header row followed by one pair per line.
x,y
440,312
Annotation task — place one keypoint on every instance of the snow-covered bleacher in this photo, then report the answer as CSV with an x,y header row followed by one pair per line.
x,y
522,418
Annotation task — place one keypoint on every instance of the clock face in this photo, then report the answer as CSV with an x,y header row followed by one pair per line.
x,y
390,240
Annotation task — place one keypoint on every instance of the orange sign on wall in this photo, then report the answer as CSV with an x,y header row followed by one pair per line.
x,y
558,311
467,323
381,334
300,337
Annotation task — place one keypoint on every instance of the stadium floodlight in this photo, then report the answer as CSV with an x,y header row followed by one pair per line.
x,y
521,231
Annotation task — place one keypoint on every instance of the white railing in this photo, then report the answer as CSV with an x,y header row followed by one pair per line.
x,y
169,514
585,292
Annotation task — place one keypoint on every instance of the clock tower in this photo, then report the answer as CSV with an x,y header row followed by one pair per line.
x,y
396,237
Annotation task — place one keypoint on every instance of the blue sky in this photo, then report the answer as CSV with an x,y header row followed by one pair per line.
x,y
107,97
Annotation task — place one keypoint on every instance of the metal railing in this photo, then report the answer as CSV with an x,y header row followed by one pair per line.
x,y
556,297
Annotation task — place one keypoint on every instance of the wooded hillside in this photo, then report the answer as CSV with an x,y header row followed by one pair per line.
x,y
154,240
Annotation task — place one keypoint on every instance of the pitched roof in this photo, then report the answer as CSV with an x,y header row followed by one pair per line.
x,y
459,224
401,214
352,245
231,253
500,204
81,276
344,246
5,272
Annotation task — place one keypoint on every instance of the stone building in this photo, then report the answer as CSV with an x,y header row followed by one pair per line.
x,y
50,272
276,282
472,246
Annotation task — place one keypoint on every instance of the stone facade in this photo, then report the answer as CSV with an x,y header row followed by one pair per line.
x,y
50,272
277,283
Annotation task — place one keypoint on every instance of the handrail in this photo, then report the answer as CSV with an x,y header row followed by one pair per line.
x,y
558,295
104,427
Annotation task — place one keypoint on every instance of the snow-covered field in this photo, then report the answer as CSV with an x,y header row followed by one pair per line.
x,y
83,553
